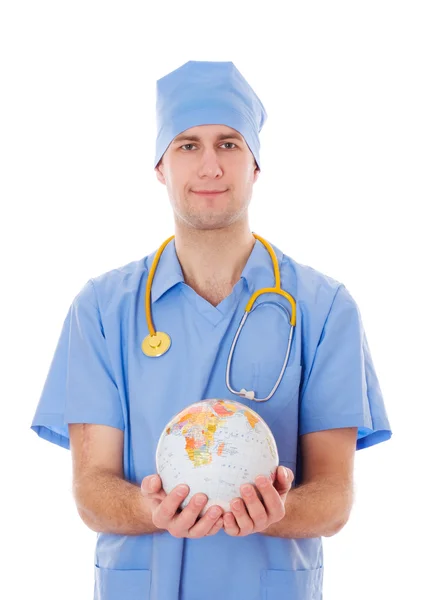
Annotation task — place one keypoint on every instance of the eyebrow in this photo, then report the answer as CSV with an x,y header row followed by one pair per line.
x,y
196,138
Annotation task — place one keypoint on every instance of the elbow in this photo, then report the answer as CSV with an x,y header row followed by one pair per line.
x,y
334,529
340,516
86,518
336,526
84,513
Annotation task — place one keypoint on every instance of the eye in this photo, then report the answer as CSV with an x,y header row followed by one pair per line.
x,y
224,143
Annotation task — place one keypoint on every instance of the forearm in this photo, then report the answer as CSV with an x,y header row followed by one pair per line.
x,y
314,509
110,504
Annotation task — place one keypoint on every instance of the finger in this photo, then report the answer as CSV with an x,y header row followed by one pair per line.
x,y
164,513
271,499
255,508
185,519
208,524
186,523
242,518
216,527
230,525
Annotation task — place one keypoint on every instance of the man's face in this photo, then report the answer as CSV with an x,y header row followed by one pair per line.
x,y
198,160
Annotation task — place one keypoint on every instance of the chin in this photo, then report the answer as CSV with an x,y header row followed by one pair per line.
x,y
208,220
214,223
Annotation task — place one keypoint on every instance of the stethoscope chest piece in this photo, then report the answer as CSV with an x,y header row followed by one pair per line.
x,y
156,345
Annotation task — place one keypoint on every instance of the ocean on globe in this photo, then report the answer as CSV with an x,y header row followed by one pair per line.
x,y
214,446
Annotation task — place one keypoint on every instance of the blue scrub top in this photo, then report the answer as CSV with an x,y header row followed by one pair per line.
x,y
99,374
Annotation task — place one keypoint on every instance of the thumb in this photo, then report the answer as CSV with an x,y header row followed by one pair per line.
x,y
151,484
284,479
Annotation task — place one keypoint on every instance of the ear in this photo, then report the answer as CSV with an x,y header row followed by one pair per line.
x,y
159,172
256,174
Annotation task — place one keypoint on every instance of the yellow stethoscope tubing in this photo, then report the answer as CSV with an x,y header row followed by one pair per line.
x,y
155,339
249,394
276,290
152,272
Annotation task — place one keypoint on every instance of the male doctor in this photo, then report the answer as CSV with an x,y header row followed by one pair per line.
x,y
108,400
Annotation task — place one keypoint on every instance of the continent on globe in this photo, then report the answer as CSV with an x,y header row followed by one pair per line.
x,y
214,446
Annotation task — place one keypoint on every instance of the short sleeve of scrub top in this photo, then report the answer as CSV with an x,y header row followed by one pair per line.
x,y
342,389
80,387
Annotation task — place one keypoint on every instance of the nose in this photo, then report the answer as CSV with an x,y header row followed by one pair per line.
x,y
210,164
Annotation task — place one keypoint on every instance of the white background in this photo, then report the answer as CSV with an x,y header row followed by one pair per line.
x,y
343,188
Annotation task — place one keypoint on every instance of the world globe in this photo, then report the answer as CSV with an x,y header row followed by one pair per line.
x,y
214,446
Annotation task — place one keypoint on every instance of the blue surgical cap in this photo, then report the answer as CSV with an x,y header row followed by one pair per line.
x,y
207,93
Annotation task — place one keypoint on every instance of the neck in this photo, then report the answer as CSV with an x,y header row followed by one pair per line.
x,y
212,261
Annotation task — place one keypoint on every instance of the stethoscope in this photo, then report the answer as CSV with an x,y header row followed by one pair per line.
x,y
158,342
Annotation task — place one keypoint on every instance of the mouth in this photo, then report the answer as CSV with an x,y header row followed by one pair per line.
x,y
209,193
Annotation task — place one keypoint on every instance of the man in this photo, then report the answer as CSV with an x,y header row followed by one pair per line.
x,y
109,400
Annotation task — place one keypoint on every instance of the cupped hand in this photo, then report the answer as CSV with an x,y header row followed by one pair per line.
x,y
166,512
250,514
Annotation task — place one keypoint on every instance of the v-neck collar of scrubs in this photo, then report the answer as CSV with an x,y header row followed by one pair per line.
x,y
257,273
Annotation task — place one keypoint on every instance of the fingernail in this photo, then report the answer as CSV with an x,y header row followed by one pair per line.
x,y
261,481
152,482
215,512
285,471
182,491
247,489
